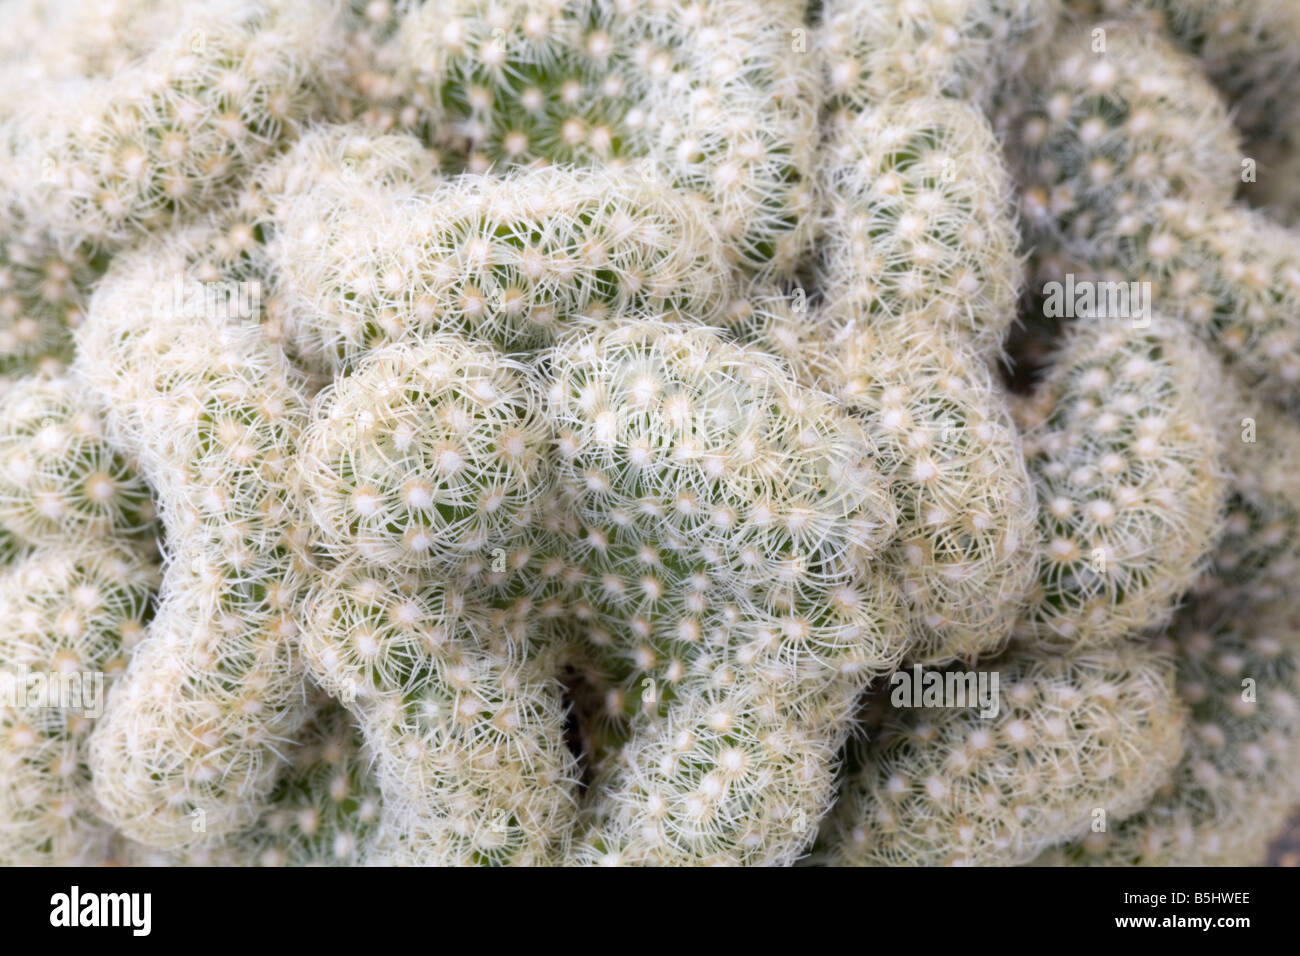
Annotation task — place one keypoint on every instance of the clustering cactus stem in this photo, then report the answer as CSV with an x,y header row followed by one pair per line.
x,y
1075,734
1131,163
1120,445
513,261
107,157
1238,780
427,456
60,478
917,200
1250,49
460,703
714,94
191,742
1257,555
42,296
963,49
728,518
73,617
324,811
946,442
917,226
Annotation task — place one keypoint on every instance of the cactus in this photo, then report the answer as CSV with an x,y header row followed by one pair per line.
x,y
60,479
42,295
728,519
455,699
429,458
967,508
323,812
1237,781
917,226
187,748
1130,165
559,420
1124,463
717,95
512,261
1256,557
1075,733
425,456
1114,132
919,274
946,442
917,200
1248,48
168,135
78,612
963,49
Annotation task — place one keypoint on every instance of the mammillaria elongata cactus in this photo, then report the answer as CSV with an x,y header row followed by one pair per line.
x,y
513,260
213,413
558,418
61,478
1123,459
712,94
1131,165
957,788
729,518
109,155
1235,783
73,619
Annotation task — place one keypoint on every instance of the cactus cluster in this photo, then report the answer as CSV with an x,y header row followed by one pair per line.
x,y
324,811
171,105
1131,164
551,432
426,456
706,93
728,522
514,261
61,477
1076,732
213,412
1233,787
1123,457
69,613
